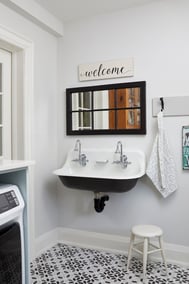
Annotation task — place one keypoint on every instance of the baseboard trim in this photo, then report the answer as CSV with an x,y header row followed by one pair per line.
x,y
46,241
175,254
88,239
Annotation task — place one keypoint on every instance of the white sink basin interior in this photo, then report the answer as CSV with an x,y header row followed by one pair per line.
x,y
100,165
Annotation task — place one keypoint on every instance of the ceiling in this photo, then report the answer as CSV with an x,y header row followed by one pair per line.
x,y
70,10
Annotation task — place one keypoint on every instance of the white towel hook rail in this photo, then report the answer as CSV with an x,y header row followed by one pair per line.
x,y
175,106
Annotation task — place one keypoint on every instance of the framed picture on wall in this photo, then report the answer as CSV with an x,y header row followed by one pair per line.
x,y
185,147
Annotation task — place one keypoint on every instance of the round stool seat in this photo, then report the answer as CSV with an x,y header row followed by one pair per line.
x,y
147,231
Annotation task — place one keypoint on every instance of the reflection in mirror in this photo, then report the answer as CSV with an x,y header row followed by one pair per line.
x,y
101,119
101,99
81,121
125,119
108,109
81,101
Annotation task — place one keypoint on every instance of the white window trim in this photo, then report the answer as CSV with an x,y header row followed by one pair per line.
x,y
17,44
6,60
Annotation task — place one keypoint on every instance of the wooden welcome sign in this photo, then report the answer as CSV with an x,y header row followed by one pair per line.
x,y
106,70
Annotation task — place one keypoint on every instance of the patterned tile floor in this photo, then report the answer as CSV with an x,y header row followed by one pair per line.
x,y
64,264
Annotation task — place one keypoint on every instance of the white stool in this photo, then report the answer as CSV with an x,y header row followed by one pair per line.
x,y
146,232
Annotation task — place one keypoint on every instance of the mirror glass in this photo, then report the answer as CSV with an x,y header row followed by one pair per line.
x,y
107,109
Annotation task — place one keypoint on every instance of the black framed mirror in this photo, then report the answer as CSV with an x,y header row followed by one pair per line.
x,y
107,109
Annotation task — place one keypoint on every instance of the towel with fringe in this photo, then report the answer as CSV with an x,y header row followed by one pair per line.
x,y
161,167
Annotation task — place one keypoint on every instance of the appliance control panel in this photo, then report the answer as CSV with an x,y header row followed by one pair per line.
x,y
8,200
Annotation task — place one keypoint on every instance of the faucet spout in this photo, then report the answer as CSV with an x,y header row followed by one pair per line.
x,y
77,147
122,158
81,158
119,149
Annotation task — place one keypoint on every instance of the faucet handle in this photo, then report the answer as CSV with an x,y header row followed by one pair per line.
x,y
83,160
125,162
124,158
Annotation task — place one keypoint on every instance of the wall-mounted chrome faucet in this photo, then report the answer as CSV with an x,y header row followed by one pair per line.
x,y
123,161
77,147
81,158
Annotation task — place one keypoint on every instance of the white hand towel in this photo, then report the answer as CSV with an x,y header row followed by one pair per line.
x,y
161,167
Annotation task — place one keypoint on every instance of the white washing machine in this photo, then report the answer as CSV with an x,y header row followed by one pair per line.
x,y
12,261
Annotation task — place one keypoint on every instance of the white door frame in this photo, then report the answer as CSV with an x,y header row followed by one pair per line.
x,y
22,51
6,86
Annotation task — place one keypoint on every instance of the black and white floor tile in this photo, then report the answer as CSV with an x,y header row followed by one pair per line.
x,y
64,264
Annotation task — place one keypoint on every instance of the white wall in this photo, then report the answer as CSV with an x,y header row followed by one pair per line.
x,y
44,117
156,35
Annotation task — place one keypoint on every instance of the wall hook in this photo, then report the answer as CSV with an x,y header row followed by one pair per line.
x,y
162,103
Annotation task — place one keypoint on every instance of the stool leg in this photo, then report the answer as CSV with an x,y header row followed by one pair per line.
x,y
132,237
145,254
163,252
